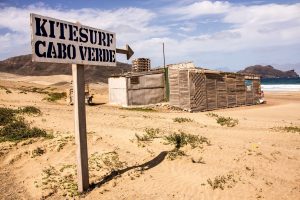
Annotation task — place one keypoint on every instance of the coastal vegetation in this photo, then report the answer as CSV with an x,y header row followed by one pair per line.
x,y
13,127
224,121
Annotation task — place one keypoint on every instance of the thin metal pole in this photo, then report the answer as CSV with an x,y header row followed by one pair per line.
x,y
164,55
80,127
166,75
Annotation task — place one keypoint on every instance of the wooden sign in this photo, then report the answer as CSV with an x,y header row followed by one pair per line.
x,y
59,41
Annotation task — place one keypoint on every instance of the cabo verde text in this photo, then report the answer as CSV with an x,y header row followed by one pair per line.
x,y
56,39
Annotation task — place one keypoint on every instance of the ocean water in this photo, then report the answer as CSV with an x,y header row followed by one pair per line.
x,y
280,84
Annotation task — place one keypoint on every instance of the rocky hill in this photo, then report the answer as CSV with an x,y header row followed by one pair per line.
x,y
22,65
269,72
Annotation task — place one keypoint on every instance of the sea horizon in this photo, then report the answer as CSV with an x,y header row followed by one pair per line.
x,y
281,84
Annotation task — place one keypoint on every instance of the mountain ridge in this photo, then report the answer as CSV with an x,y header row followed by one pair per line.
x,y
23,65
269,71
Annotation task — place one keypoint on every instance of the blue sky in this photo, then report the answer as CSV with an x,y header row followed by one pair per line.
x,y
227,35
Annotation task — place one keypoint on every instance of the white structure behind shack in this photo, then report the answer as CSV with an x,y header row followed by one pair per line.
x,y
137,88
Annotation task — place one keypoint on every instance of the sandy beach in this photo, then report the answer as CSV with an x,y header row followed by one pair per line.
x,y
256,159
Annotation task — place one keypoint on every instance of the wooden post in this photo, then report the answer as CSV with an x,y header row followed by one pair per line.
x,y
80,127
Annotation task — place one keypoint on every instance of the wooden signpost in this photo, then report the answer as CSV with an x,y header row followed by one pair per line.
x,y
58,41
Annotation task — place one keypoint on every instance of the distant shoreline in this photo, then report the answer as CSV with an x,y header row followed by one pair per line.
x,y
281,84
281,88
279,81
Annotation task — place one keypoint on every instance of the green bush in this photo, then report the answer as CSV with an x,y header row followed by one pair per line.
x,y
143,138
7,115
224,121
150,134
20,130
6,90
181,139
293,129
210,114
196,141
15,128
24,90
182,119
37,152
177,139
220,182
227,121
54,96
30,110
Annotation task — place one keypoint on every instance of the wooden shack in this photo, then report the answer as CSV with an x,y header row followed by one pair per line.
x,y
197,89
137,88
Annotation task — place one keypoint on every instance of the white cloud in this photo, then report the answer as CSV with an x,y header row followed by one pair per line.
x,y
182,28
262,14
251,27
131,24
198,9
188,27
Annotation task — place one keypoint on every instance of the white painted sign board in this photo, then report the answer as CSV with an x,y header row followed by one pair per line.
x,y
58,41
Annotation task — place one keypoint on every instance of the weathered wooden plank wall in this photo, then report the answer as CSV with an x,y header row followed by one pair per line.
x,y
174,87
195,90
231,91
222,93
256,90
146,89
211,91
240,90
184,93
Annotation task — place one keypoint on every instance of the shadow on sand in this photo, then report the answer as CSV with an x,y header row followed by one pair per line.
x,y
96,104
146,166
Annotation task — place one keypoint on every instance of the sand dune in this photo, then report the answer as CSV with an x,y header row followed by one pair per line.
x,y
256,161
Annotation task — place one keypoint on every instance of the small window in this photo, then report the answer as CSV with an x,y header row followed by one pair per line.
x,y
134,80
248,84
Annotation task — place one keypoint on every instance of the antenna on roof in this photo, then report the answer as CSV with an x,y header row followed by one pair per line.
x,y
164,55
166,74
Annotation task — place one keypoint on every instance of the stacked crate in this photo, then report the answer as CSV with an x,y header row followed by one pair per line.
x,y
141,64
